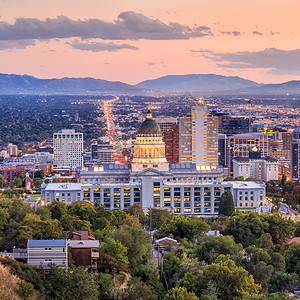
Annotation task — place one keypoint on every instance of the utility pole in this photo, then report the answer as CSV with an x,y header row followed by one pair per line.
x,y
162,267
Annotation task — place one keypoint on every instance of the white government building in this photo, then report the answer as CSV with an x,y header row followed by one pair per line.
x,y
182,188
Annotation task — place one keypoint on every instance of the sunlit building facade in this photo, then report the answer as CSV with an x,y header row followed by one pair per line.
x,y
154,183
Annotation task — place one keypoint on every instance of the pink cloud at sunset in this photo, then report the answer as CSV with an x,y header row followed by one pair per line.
x,y
129,40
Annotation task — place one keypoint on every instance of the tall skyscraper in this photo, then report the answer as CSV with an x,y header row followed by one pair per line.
x,y
295,146
68,148
198,138
170,129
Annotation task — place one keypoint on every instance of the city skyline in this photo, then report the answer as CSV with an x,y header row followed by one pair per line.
x,y
133,41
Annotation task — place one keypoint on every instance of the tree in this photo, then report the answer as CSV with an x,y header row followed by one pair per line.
x,y
183,227
180,293
262,274
280,228
138,290
292,259
136,210
226,206
157,218
281,281
77,284
58,209
213,246
1,181
136,240
283,180
37,183
246,228
17,182
115,249
229,280
84,211
4,215
39,174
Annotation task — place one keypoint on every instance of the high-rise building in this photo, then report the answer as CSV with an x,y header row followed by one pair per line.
x,y
198,138
12,150
239,145
68,148
104,153
295,147
185,139
170,129
222,150
231,125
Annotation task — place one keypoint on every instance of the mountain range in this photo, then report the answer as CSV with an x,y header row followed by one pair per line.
x,y
191,83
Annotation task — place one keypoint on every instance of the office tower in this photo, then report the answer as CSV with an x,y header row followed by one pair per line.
x,y
231,125
76,117
198,138
67,148
12,150
239,145
104,153
185,139
295,147
261,168
170,130
222,150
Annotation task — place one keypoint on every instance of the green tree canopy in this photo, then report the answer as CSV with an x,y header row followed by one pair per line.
x,y
213,246
184,227
180,293
229,280
226,206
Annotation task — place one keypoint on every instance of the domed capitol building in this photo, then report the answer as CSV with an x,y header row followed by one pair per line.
x,y
154,183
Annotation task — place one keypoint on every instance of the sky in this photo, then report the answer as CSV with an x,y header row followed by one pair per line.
x,y
136,40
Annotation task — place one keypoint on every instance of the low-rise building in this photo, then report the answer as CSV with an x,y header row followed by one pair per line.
x,y
42,252
84,252
64,192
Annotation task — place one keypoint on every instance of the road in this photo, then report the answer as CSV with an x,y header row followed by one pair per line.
x,y
112,133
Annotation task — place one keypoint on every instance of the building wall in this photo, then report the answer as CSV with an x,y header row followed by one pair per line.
x,y
42,256
68,148
257,168
198,138
185,139
239,146
187,192
295,154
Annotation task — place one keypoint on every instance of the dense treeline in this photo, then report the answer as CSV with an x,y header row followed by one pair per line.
x,y
251,260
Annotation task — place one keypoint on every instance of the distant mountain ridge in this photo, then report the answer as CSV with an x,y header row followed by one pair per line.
x,y
11,83
191,83
198,83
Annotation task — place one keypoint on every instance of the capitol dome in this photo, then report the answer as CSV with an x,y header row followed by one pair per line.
x,y
149,147
149,127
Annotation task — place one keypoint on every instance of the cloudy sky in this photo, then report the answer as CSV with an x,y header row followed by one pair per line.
x,y
134,40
